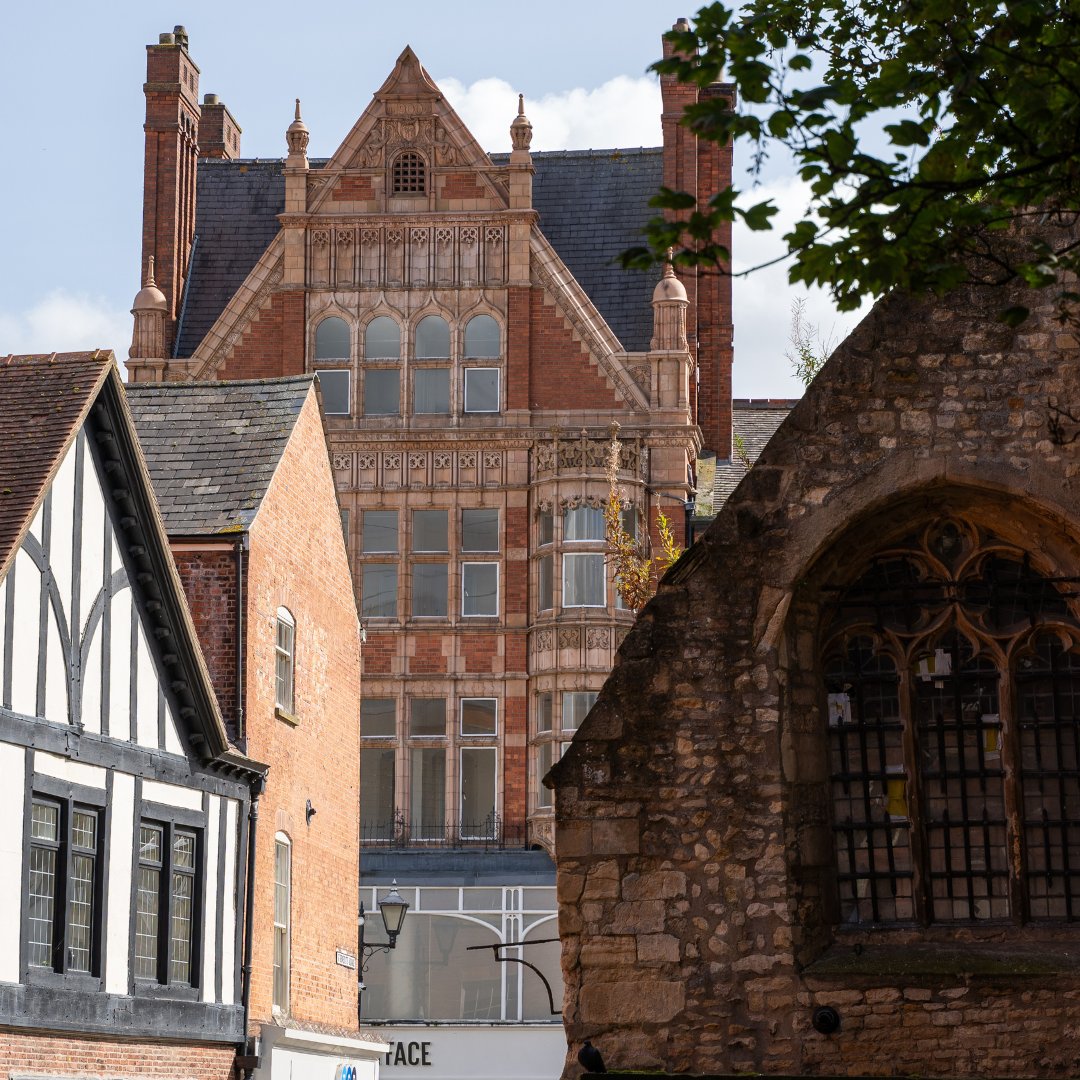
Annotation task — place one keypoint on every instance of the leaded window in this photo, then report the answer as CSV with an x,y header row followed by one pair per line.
x,y
165,904
952,680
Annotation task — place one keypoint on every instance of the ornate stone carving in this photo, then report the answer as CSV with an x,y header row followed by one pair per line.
x,y
342,461
641,375
444,237
597,638
393,236
494,234
320,237
572,502
468,235
391,461
569,637
417,461
542,640
345,237
543,506
418,236
620,636
365,461
369,237
442,461
467,460
492,461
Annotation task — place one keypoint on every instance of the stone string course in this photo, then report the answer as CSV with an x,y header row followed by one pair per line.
x,y
693,838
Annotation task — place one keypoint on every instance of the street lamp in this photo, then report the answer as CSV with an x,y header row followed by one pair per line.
x,y
393,907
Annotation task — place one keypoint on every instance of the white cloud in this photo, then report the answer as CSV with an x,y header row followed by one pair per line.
x,y
762,301
62,321
623,112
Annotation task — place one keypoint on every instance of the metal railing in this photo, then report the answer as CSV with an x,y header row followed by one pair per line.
x,y
493,833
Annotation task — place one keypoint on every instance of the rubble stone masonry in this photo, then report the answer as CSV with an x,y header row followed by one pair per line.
x,y
694,837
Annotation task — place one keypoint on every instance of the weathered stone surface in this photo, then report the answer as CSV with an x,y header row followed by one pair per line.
x,y
714,813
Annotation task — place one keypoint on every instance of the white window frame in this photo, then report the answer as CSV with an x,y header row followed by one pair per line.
x,y
282,930
480,614
347,372
603,581
461,717
468,748
285,663
498,391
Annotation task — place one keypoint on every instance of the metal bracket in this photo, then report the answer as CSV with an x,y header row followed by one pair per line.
x,y
515,960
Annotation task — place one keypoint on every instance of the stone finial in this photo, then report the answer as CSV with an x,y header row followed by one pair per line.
x,y
669,304
521,129
149,297
148,336
298,136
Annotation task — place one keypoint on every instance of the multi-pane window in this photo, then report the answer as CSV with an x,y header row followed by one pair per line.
x,y
952,680
382,377
165,904
282,922
285,661
63,918
583,523
583,580
408,174
439,781
556,718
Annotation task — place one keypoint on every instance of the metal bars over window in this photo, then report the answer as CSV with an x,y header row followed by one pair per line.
x,y
408,174
952,681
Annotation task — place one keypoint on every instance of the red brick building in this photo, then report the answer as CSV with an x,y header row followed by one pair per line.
x,y
243,477
476,344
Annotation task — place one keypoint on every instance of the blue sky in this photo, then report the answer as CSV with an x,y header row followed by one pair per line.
x,y
71,80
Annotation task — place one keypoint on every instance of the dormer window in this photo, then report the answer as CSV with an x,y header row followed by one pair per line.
x,y
408,174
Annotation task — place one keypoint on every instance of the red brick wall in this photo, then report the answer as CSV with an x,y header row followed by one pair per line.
x,y
298,561
379,652
517,348
515,734
273,343
171,147
59,1055
462,186
561,376
353,189
209,579
428,657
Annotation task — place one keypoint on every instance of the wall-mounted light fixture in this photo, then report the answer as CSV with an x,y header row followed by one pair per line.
x,y
393,907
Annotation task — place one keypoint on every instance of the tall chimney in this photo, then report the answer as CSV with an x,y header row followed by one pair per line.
x,y
219,133
172,149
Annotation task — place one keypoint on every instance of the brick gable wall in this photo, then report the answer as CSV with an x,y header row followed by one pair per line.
x,y
273,342
298,561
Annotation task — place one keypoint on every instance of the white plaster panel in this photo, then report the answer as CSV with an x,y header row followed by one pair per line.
x,y
74,772
91,701
12,769
147,693
121,838
171,795
93,539
61,526
3,624
35,526
120,666
172,738
56,673
24,658
210,927
229,916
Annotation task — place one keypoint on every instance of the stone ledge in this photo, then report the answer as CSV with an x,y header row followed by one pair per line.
x,y
994,959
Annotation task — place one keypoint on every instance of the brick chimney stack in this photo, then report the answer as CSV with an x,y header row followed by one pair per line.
x,y
702,169
219,133
172,150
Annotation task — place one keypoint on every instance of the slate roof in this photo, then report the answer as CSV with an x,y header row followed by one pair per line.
x,y
754,421
593,204
44,399
212,448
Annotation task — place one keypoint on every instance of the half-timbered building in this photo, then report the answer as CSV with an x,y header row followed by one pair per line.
x,y
124,806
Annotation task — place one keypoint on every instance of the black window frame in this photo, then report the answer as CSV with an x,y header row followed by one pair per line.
x,y
68,798
171,820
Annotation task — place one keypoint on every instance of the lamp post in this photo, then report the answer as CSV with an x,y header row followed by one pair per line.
x,y
393,907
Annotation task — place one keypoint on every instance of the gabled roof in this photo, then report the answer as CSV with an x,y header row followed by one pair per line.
x,y
44,402
593,204
212,448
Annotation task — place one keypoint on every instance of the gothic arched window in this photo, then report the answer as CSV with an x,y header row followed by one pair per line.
x,y
952,675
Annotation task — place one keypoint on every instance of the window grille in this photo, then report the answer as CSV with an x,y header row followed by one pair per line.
x,y
409,176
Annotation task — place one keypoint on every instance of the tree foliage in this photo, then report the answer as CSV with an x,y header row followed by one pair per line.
x,y
809,350
924,128
636,570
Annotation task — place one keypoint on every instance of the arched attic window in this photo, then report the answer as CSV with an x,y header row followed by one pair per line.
x,y
482,338
952,675
408,174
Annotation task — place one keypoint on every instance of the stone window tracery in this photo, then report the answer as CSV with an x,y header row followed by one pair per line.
x,y
952,680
